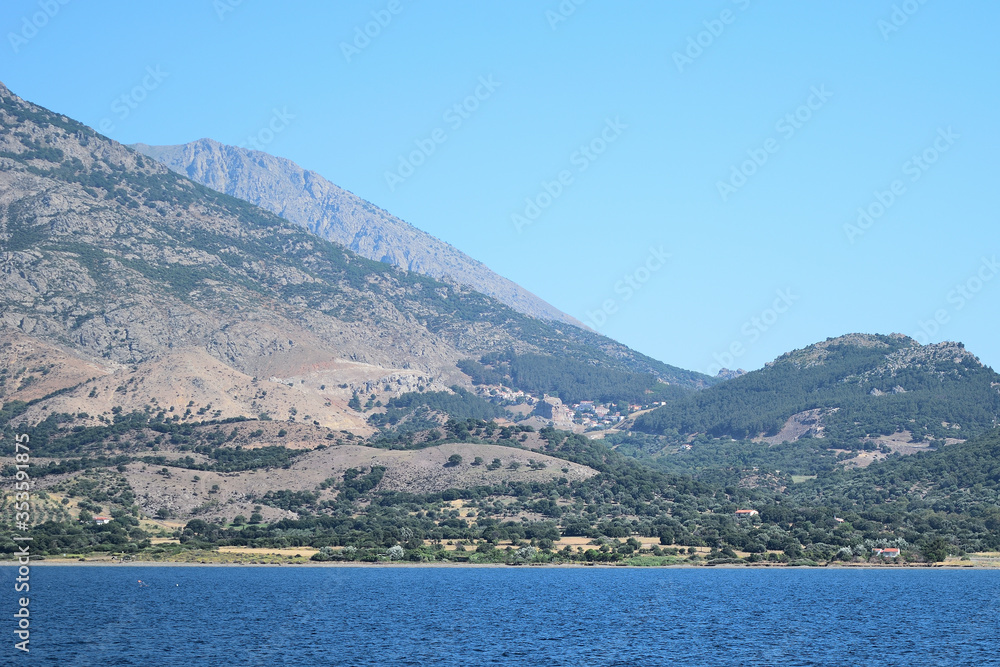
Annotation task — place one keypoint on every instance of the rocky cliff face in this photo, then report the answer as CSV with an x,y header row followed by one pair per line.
x,y
307,199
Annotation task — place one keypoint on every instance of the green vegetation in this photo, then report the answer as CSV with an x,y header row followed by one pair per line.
x,y
846,385
231,459
724,461
414,411
839,515
571,380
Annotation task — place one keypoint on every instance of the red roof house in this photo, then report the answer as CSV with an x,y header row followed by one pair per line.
x,y
886,553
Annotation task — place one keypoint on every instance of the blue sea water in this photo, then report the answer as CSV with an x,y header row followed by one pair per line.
x,y
505,616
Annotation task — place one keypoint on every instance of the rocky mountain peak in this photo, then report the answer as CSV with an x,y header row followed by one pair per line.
x,y
817,353
307,199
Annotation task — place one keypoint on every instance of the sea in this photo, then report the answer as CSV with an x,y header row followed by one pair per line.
x,y
232,616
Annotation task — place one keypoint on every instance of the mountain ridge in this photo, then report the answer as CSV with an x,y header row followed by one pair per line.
x,y
306,198
108,253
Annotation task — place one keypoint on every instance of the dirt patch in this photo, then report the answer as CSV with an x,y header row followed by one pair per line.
x,y
194,386
809,422
36,368
305,552
897,443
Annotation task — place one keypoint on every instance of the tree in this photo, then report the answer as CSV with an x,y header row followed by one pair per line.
x,y
325,553
256,517
525,553
354,403
454,460
478,461
239,520
396,552
86,516
936,550
196,526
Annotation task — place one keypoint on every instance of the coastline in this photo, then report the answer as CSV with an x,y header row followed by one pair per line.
x,y
66,562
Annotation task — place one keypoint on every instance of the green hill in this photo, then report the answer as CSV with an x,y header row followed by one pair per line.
x,y
864,386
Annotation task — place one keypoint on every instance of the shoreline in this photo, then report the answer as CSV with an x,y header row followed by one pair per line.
x,y
348,564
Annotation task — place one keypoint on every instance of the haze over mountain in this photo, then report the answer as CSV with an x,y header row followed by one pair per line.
x,y
306,198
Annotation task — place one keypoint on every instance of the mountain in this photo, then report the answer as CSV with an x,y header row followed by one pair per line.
x,y
847,400
111,257
210,375
307,199
145,318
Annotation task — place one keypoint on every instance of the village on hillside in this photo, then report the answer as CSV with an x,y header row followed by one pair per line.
x,y
580,417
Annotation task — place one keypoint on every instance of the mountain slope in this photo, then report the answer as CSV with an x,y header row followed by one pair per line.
x,y
112,257
307,199
848,391
953,478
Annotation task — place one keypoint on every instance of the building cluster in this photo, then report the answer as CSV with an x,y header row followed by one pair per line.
x,y
595,415
588,414
516,396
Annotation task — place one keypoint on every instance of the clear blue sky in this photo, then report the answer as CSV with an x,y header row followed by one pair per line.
x,y
676,118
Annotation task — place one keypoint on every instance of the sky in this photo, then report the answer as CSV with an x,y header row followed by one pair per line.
x,y
711,183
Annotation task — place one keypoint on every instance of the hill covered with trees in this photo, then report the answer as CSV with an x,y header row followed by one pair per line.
x,y
864,386
571,380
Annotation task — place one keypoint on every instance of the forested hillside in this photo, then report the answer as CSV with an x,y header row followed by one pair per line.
x,y
572,381
865,386
929,505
